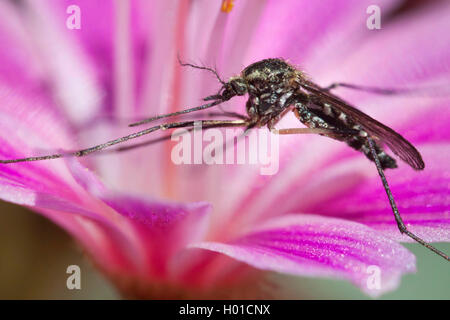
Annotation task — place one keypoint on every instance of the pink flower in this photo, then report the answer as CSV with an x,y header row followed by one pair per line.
x,y
160,230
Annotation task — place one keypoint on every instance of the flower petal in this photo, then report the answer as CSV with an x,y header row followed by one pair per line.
x,y
302,31
422,55
29,124
57,63
313,246
162,228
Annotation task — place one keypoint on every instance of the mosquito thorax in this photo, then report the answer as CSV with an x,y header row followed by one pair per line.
x,y
269,71
271,84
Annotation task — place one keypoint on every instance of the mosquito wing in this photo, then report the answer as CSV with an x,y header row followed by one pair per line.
x,y
399,145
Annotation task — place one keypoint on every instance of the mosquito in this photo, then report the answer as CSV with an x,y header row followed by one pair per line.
x,y
274,88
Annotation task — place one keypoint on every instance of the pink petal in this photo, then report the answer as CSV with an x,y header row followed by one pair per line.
x,y
315,31
163,228
61,203
422,55
55,61
307,245
115,35
420,133
31,125
112,249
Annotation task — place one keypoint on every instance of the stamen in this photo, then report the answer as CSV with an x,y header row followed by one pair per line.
x,y
227,6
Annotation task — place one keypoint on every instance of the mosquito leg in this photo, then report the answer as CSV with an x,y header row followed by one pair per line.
x,y
232,114
246,131
166,137
332,132
202,107
384,91
437,91
150,142
231,142
398,218
116,120
301,131
227,114
145,143
85,152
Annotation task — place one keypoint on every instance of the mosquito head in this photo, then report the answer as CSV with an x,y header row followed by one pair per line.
x,y
234,87
238,86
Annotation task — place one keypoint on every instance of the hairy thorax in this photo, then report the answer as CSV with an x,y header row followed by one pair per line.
x,y
271,85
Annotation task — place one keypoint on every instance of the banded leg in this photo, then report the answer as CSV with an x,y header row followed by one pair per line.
x,y
302,131
85,152
398,218
376,90
435,91
169,136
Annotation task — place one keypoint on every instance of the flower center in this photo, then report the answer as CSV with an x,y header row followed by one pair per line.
x,y
227,5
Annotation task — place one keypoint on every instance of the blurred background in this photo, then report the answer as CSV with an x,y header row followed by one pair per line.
x,y
35,254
